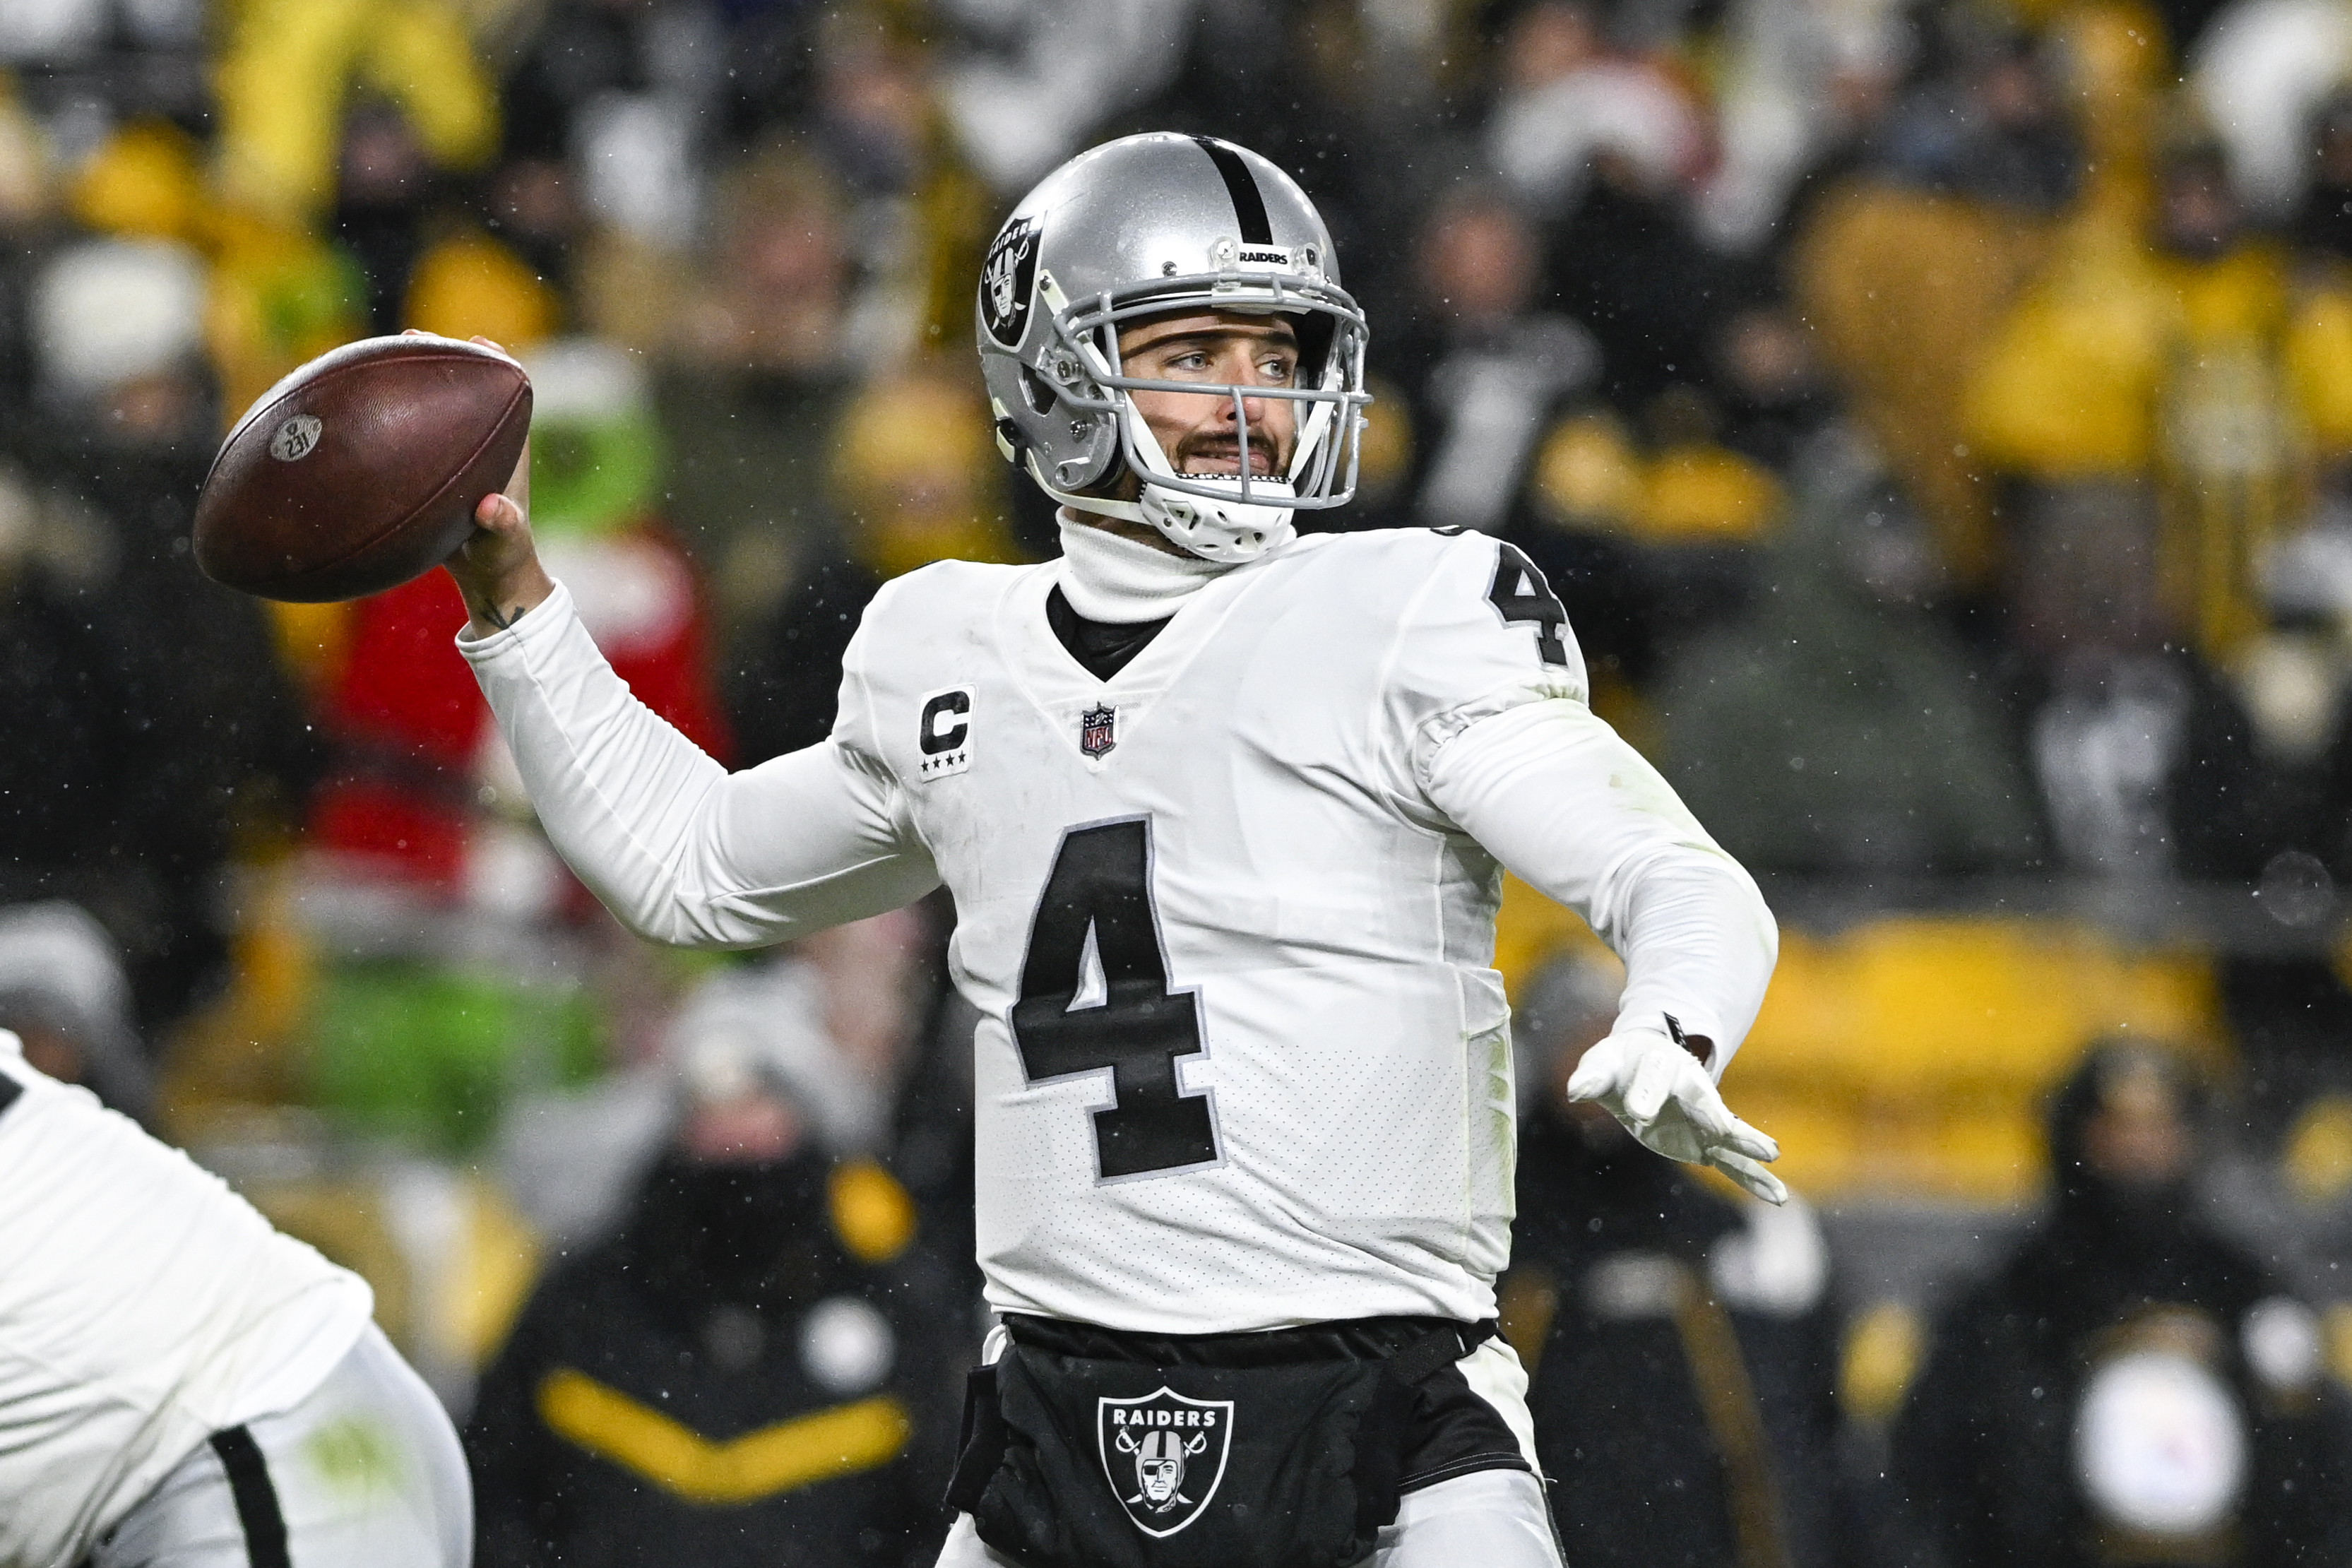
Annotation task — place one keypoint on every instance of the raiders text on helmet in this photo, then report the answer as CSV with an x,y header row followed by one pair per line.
x,y
1143,226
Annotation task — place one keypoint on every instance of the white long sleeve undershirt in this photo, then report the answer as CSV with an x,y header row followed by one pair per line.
x,y
678,847
1559,797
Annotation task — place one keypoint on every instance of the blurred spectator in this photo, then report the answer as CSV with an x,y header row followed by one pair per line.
x,y
918,219
2268,748
1569,101
1771,386
1803,85
2263,70
1626,264
915,477
1681,1346
752,1370
2137,395
2322,224
532,204
287,74
747,412
779,268
1908,261
1653,535
1599,143
1028,83
1495,368
624,91
1840,729
2144,398
1706,507
64,994
1989,126
2126,1388
381,197
148,718
2265,769
571,1156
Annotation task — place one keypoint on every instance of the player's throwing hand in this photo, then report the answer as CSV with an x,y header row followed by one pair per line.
x,y
1658,1089
497,568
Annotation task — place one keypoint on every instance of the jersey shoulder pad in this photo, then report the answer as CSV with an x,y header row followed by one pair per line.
x,y
946,600
1444,572
1384,569
1378,547
1479,627
949,587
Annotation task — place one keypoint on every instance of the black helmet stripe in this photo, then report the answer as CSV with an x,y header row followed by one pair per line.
x,y
1249,207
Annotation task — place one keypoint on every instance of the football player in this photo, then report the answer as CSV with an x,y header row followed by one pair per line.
x,y
1224,811
181,1386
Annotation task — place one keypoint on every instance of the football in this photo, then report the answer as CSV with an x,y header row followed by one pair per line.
x,y
362,469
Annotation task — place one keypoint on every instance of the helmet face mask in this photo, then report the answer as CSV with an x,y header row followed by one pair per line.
x,y
1151,226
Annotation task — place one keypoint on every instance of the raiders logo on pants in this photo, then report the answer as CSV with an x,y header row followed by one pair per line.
x,y
1165,1455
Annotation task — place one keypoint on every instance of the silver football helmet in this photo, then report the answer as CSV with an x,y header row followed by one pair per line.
x,y
1142,226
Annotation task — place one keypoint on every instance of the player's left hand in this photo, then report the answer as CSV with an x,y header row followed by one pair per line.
x,y
1666,1100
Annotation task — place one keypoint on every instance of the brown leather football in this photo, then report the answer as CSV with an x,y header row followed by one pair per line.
x,y
362,469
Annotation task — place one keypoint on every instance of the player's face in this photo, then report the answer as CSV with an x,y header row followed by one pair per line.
x,y
1201,433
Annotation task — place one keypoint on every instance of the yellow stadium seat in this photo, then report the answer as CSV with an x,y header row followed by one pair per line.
x,y
1909,1057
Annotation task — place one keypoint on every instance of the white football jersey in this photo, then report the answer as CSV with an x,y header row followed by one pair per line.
x,y
1228,916
143,1306
1245,1061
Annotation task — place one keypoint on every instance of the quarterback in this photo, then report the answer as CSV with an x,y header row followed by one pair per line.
x,y
1224,811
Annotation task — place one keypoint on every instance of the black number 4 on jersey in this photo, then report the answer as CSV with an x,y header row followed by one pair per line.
x,y
1101,884
1520,592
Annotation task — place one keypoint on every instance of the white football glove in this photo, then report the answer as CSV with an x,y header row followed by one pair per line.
x,y
1666,1098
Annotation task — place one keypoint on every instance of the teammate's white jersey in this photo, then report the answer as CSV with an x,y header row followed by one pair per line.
x,y
1227,916
143,1307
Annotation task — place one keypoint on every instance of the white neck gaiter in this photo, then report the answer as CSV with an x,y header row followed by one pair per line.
x,y
1121,581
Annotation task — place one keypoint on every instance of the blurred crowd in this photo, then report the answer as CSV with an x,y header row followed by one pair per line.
x,y
1937,415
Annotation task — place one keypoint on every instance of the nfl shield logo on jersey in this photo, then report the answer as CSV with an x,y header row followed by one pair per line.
x,y
1098,730
1164,1455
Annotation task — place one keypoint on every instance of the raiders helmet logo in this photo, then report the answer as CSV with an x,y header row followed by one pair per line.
x,y
1164,1455
1008,280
